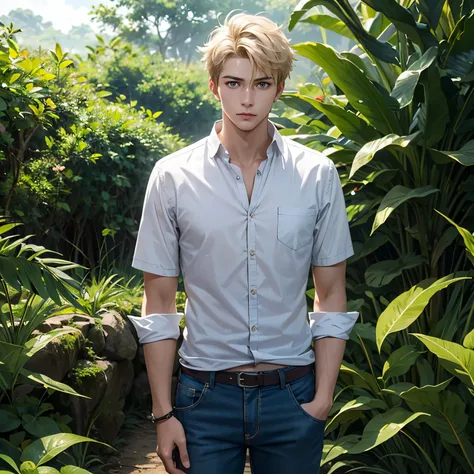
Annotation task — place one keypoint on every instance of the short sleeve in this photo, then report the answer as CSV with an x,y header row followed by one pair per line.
x,y
157,249
332,240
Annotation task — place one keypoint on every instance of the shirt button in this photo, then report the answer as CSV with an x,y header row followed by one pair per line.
x,y
252,214
253,292
237,177
252,253
254,328
259,173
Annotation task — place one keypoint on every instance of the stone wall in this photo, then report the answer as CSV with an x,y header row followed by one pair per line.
x,y
99,359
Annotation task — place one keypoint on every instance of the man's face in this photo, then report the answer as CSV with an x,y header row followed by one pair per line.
x,y
244,102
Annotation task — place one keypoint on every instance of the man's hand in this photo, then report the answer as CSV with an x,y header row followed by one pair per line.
x,y
318,408
170,433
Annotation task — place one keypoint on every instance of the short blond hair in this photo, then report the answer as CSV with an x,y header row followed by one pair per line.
x,y
253,37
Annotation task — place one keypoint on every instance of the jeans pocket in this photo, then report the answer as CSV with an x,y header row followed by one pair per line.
x,y
189,393
295,226
302,391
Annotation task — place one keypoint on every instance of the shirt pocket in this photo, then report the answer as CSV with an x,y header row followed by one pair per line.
x,y
295,226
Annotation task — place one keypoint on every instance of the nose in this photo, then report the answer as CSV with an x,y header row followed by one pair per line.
x,y
247,97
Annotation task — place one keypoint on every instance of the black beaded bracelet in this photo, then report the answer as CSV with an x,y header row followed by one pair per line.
x,y
161,418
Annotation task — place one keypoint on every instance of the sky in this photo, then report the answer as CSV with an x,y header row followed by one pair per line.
x,y
62,13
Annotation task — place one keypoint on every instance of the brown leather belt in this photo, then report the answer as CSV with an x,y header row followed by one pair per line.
x,y
249,379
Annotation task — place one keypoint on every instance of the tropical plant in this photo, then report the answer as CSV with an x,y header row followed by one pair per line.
x,y
395,115
33,459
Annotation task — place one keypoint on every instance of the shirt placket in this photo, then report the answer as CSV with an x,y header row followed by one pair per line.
x,y
252,267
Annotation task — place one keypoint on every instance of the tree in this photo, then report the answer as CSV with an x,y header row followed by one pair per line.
x,y
171,27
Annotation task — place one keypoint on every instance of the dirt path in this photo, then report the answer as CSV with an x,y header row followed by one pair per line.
x,y
138,455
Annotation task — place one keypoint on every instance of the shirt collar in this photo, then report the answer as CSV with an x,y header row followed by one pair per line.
x,y
216,148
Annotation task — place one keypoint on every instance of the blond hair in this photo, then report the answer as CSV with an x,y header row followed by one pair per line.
x,y
253,37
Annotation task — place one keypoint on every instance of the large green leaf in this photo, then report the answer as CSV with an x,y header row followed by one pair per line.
x,y
73,470
468,342
455,358
41,426
446,409
348,16
431,10
44,449
382,273
400,361
433,115
404,22
368,151
330,23
360,377
464,156
383,427
350,125
48,382
394,198
404,88
42,340
8,421
361,403
466,235
334,449
10,462
405,308
371,244
361,93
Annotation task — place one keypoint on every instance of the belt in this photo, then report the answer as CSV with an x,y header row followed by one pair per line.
x,y
249,379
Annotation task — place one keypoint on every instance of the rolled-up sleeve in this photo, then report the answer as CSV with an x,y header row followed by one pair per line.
x,y
332,324
157,249
332,240
156,326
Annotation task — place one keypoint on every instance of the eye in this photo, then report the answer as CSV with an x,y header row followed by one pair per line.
x,y
263,85
232,84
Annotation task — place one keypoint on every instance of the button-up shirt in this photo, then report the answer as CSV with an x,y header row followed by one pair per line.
x,y
245,265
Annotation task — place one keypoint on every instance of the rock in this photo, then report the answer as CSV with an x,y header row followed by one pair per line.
x,y
109,425
83,317
119,343
97,339
141,389
87,378
119,376
83,326
59,321
58,357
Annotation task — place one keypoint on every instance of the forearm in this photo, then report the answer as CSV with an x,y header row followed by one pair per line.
x,y
329,351
159,358
160,298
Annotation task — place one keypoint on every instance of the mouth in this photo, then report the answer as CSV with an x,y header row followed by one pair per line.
x,y
246,115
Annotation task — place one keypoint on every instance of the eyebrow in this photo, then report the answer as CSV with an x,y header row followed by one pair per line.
x,y
240,79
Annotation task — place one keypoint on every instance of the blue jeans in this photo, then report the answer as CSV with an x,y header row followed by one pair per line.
x,y
221,421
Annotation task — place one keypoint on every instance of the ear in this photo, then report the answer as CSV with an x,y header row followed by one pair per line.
x,y
280,89
213,89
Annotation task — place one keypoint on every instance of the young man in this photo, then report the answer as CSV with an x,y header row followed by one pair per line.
x,y
243,214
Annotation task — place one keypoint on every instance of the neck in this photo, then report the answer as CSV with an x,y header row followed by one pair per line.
x,y
245,147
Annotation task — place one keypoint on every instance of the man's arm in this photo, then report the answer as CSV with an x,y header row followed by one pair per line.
x,y
330,297
160,297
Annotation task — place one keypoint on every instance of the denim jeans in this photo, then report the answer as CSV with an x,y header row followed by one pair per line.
x,y
221,421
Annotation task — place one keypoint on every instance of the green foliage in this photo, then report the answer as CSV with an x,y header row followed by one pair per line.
x,y
179,91
393,115
79,374
80,182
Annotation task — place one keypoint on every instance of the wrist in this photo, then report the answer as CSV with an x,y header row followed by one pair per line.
x,y
161,419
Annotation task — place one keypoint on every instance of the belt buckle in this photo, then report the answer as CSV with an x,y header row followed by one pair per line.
x,y
241,384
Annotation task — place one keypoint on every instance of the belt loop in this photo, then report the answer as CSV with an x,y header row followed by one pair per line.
x,y
212,379
281,373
